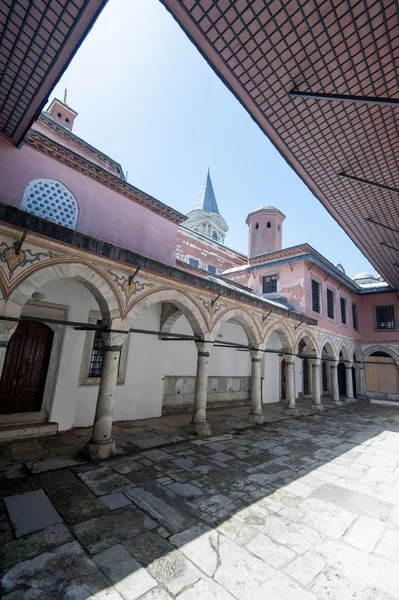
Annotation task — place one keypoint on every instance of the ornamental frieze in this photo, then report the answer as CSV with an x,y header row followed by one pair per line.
x,y
129,287
15,263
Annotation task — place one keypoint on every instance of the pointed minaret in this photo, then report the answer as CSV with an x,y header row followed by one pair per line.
x,y
62,113
206,200
205,217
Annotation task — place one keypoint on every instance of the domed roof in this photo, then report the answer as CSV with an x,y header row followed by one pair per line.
x,y
265,207
364,275
340,267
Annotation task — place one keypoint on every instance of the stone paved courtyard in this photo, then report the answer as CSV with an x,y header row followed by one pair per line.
x,y
296,509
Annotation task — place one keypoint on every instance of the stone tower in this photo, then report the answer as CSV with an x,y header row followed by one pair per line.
x,y
205,217
265,230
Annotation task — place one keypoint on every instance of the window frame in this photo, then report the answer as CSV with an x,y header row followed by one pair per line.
x,y
193,258
345,298
214,272
354,306
277,276
84,379
385,329
319,282
334,295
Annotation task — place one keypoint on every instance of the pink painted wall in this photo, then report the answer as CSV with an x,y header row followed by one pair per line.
x,y
367,317
103,213
291,283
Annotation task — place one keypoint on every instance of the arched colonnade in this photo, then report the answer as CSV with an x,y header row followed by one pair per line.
x,y
101,445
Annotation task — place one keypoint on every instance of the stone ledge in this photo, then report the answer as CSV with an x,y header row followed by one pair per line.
x,y
31,430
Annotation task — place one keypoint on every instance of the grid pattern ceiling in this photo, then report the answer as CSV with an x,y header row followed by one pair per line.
x,y
263,50
37,40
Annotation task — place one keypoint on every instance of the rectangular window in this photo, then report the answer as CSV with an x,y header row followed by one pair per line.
x,y
97,354
270,284
330,304
211,269
193,262
385,316
344,317
355,318
315,296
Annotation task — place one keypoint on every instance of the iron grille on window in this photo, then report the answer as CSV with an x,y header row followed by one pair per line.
x,y
193,262
97,354
355,317
270,284
315,296
330,304
344,319
385,316
211,269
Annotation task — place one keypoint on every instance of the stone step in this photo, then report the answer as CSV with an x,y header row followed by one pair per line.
x,y
26,430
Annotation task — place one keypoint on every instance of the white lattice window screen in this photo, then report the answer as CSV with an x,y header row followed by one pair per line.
x,y
51,200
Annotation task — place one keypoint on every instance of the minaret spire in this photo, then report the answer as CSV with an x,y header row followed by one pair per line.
x,y
206,200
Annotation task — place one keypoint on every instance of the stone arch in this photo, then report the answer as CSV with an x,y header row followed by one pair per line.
x,y
329,347
381,348
84,274
283,332
346,352
357,354
242,318
310,341
185,305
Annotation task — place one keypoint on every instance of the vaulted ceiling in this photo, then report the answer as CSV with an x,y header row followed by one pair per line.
x,y
38,38
320,77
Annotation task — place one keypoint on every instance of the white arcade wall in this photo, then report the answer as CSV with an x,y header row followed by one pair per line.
x,y
149,360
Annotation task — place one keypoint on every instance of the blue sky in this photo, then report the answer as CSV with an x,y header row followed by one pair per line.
x,y
147,98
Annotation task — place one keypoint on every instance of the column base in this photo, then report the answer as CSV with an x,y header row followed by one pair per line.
x,y
350,400
200,429
100,451
293,411
317,406
257,418
338,403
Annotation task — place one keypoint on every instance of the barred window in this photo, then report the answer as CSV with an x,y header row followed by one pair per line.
x,y
344,317
211,269
193,262
315,296
330,304
97,353
270,284
385,316
355,318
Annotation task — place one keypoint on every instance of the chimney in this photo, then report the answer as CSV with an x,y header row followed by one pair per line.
x,y
265,231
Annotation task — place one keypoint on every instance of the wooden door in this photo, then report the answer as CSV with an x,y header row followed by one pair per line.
x,y
282,379
305,368
25,368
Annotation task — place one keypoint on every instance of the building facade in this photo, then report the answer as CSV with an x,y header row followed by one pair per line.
x,y
101,323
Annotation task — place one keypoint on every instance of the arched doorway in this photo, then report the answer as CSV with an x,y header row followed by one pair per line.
x,y
341,376
306,385
324,376
25,368
282,380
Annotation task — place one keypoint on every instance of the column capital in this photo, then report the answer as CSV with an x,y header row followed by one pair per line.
x,y
348,365
256,355
334,363
113,341
315,362
203,348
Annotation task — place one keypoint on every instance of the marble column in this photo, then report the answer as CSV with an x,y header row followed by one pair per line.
x,y
361,380
256,414
334,382
349,380
316,393
102,445
198,423
290,385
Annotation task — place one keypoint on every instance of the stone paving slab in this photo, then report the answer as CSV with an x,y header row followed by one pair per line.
x,y
305,509
30,512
